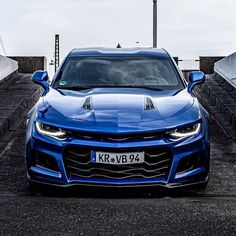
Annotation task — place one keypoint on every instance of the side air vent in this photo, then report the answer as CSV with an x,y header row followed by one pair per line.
x,y
87,103
148,104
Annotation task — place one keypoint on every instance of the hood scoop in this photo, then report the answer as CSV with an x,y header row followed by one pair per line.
x,y
148,104
87,103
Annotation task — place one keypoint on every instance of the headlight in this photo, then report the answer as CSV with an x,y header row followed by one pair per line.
x,y
184,132
51,131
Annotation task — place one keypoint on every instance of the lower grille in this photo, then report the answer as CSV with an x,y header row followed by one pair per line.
x,y
77,163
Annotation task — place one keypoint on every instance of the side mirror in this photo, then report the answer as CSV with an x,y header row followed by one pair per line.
x,y
41,77
195,78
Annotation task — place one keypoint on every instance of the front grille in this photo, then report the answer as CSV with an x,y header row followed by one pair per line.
x,y
117,137
77,163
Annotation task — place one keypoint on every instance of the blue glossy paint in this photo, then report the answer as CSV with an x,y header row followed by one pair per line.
x,y
195,78
119,111
40,77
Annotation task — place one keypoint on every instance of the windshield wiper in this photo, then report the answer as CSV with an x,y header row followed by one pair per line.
x,y
147,87
76,88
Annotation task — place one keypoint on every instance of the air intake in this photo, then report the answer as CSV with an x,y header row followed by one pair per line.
x,y
87,103
148,104
118,46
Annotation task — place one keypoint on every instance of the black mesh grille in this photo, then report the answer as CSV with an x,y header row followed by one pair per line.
x,y
116,137
77,163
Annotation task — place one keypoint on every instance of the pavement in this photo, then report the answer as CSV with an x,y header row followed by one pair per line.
x,y
86,211
99,211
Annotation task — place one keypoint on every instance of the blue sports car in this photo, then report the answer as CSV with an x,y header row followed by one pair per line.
x,y
118,117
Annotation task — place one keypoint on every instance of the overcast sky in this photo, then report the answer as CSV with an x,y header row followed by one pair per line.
x,y
187,28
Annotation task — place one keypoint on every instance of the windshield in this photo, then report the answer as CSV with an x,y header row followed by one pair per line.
x,y
95,72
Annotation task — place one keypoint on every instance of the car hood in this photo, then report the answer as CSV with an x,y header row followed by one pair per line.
x,y
118,110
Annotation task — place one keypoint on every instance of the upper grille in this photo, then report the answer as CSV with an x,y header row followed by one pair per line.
x,y
77,163
116,137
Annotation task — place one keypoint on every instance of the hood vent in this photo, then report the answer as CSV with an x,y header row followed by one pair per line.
x,y
87,103
148,104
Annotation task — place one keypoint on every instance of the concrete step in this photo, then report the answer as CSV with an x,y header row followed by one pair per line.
x,y
16,98
8,81
219,98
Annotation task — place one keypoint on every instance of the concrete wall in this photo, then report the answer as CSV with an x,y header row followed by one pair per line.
x,y
7,67
226,68
30,64
207,64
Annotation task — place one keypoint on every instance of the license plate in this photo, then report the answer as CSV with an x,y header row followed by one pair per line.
x,y
118,158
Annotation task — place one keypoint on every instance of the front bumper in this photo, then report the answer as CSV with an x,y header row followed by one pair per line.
x,y
188,148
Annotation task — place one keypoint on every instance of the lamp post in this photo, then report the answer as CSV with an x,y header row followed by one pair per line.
x,y
57,52
154,23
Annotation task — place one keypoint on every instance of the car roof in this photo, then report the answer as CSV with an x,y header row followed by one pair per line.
x,y
138,52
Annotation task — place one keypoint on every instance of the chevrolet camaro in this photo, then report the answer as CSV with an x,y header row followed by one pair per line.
x,y
118,118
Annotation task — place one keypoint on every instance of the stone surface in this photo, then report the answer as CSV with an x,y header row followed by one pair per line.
x,y
30,64
220,102
207,64
3,127
16,98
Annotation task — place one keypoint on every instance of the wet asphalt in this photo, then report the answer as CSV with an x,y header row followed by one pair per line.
x,y
86,211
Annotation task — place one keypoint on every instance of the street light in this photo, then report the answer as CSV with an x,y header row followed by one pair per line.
x,y
154,23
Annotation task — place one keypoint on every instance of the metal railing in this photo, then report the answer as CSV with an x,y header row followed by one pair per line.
x,y
189,64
